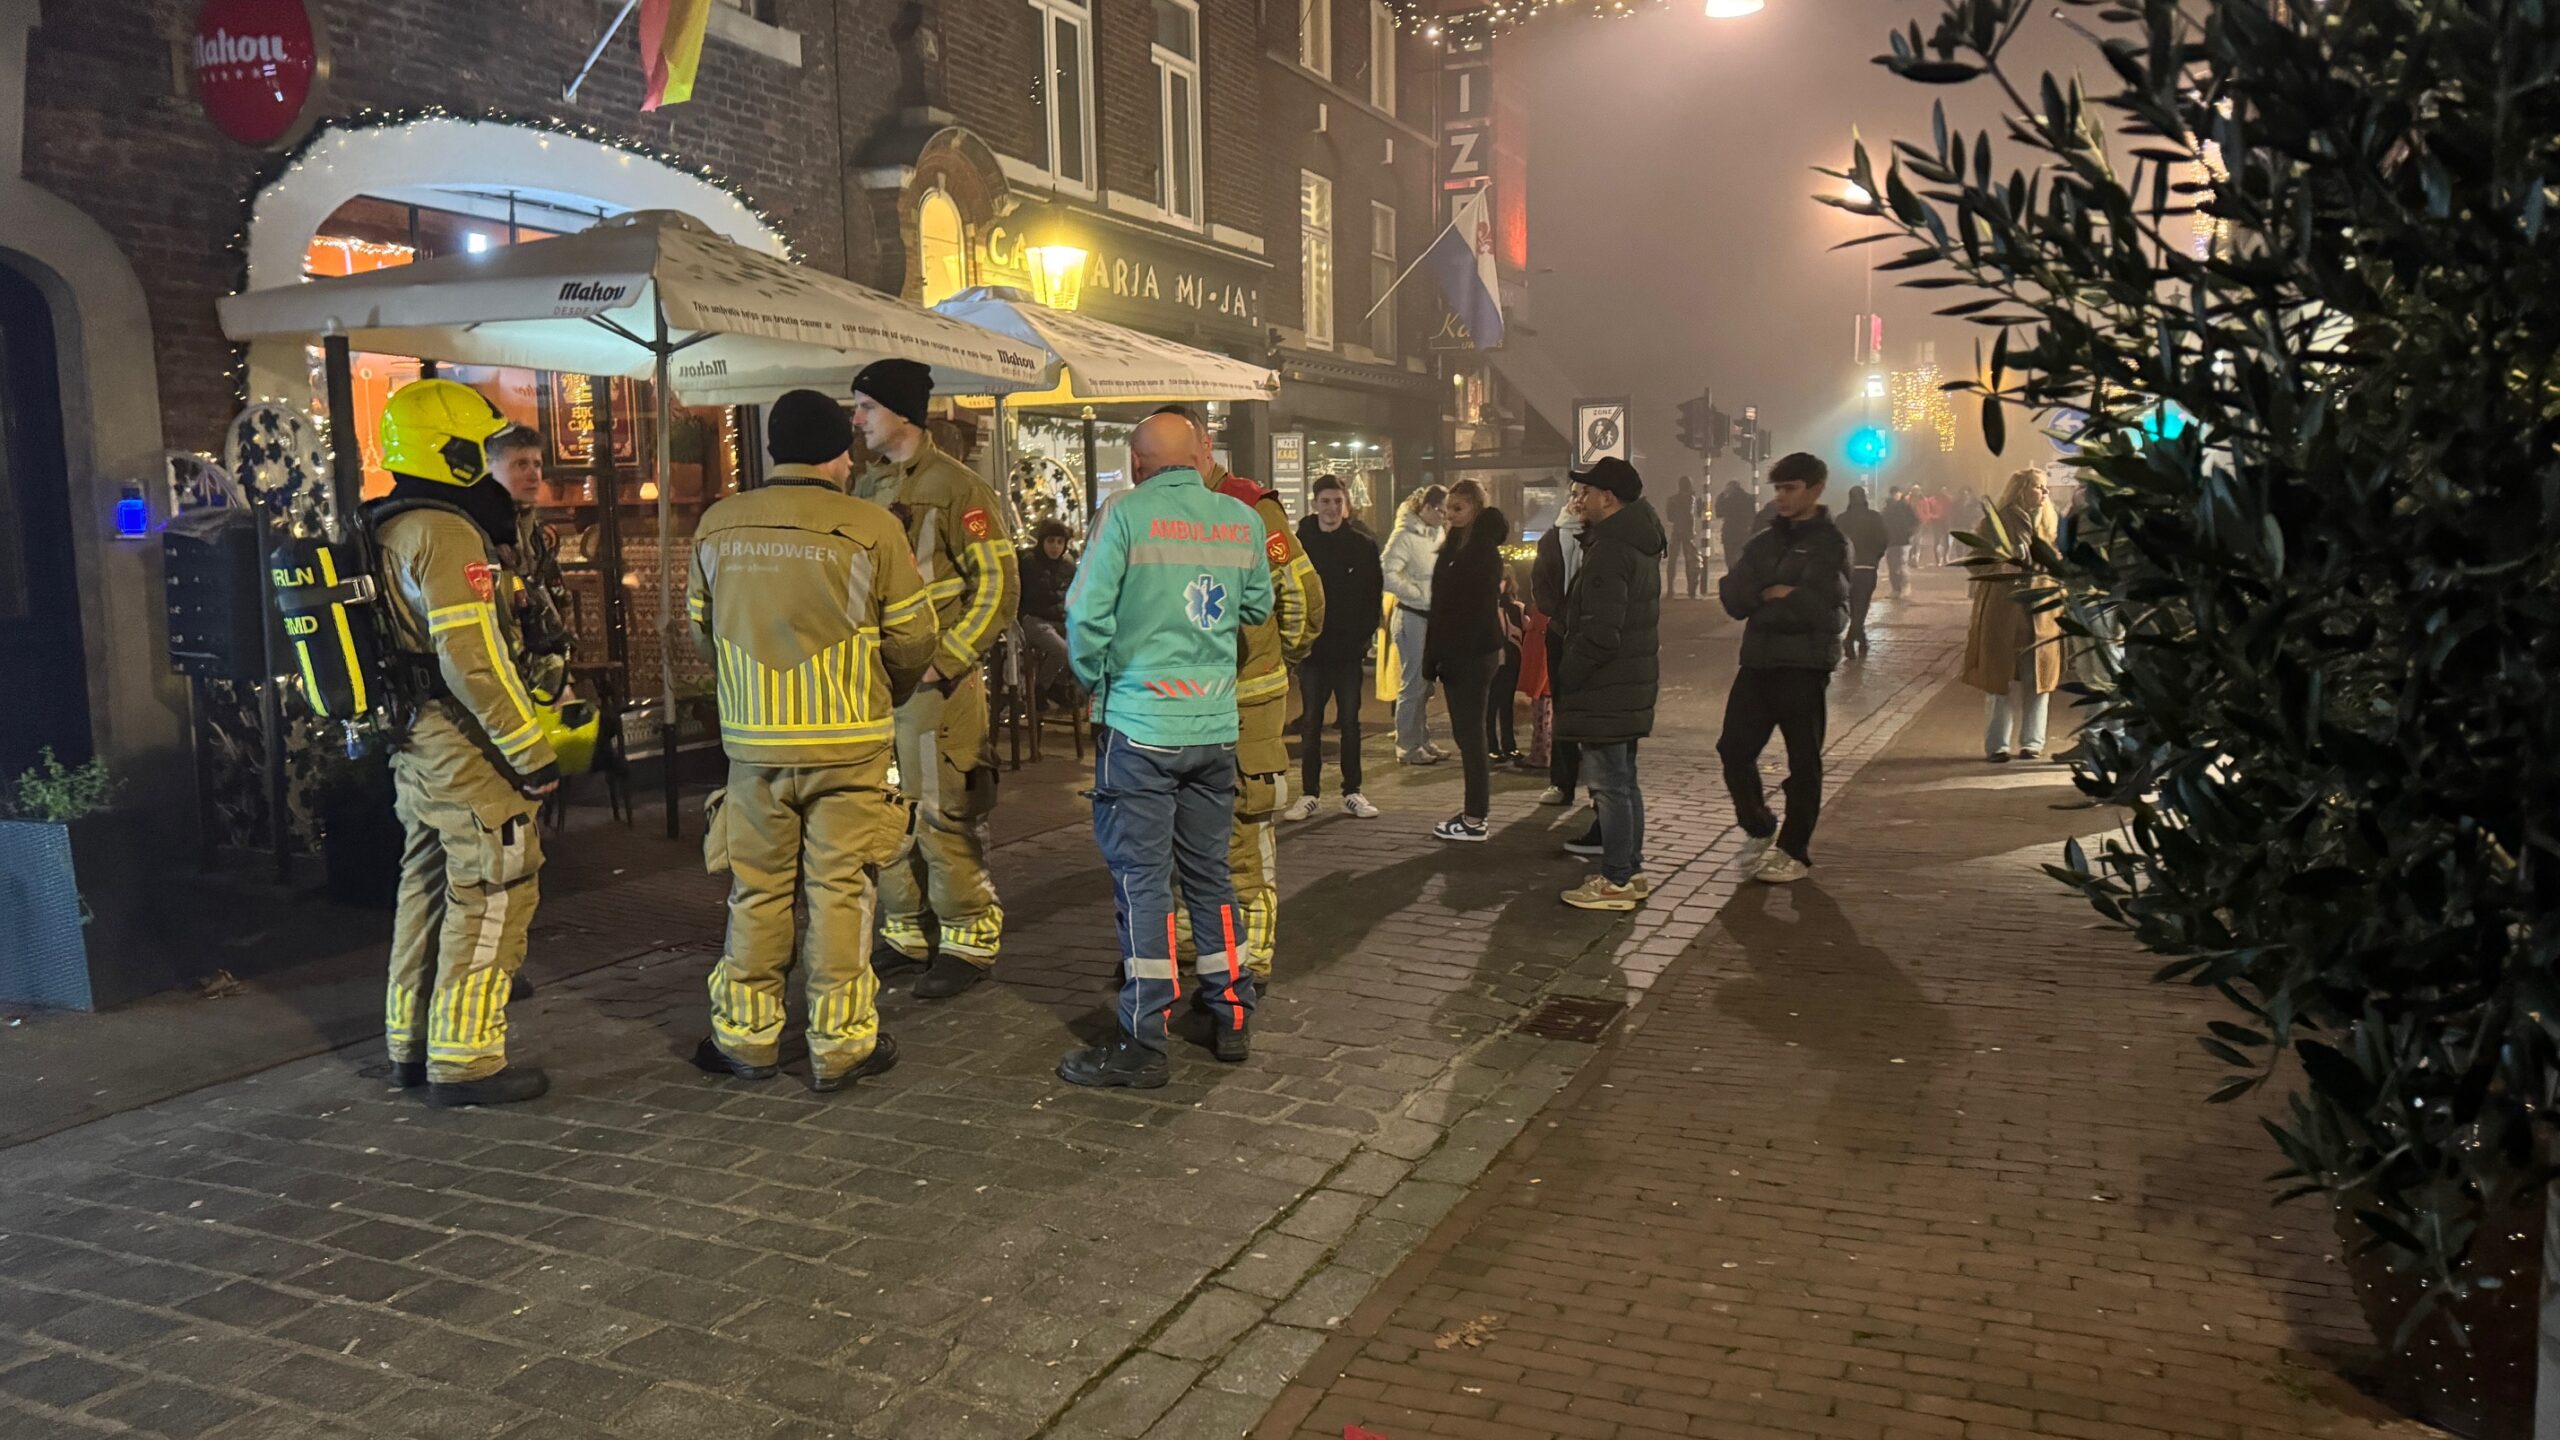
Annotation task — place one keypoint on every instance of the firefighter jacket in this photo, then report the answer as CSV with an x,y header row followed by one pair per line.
x,y
1271,647
541,593
451,608
955,526
1173,576
805,602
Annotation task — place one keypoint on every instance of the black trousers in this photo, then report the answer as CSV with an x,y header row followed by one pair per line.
x,y
1502,726
1793,703
1564,758
1862,597
1338,681
1464,684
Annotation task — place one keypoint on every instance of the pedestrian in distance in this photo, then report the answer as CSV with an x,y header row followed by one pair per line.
x,y
1047,572
1901,531
1551,575
1612,670
1347,566
1502,720
1406,562
938,903
1462,644
2013,647
1271,646
1790,588
1682,566
1733,520
809,609
1174,575
1863,526
471,769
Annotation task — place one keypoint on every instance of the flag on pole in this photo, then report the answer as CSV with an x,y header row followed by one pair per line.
x,y
1462,260
671,48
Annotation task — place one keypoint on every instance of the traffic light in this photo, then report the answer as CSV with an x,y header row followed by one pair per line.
x,y
1696,426
1746,436
1869,447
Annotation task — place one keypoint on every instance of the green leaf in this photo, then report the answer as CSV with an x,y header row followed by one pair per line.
x,y
1995,426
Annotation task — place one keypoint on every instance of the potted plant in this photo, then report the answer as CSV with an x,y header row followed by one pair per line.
x,y
2288,275
44,920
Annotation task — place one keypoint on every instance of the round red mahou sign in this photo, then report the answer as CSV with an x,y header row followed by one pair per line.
x,y
258,63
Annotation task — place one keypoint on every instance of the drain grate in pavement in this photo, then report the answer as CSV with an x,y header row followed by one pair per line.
x,y
1563,1017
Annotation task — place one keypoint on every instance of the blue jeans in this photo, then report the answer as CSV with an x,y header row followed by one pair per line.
x,y
1413,693
1155,809
1610,771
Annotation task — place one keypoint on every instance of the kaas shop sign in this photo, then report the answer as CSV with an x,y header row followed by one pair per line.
x,y
259,66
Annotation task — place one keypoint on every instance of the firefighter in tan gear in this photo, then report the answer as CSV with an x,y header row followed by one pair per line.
x,y
471,768
956,527
808,608
1262,705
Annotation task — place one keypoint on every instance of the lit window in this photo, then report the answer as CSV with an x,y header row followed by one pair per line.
x,y
942,248
1315,36
1382,275
1382,56
1066,90
1177,52
1315,249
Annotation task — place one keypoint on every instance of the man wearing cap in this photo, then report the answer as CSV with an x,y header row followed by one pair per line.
x,y
1611,672
956,528
1790,589
1271,647
807,606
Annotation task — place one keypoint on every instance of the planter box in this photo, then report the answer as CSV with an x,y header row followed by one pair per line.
x,y
78,929
2484,1390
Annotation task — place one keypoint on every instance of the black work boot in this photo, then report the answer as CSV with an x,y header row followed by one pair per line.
x,y
516,1082
1230,1044
888,959
948,976
518,988
882,1059
1123,1062
408,1074
711,1059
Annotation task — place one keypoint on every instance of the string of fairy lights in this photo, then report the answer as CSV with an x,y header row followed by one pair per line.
x,y
1458,24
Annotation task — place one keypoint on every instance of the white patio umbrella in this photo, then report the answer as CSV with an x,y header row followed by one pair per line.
x,y
653,293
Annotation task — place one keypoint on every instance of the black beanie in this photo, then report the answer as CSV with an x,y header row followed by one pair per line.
x,y
902,387
806,428
1613,475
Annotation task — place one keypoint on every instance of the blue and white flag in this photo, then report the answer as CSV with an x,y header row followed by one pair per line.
x,y
1462,260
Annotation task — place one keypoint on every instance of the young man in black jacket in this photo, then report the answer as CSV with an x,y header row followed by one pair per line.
x,y
1346,560
1790,588
1863,526
1611,673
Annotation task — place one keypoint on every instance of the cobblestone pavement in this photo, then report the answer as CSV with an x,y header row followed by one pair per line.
x,y
963,1248
1906,1152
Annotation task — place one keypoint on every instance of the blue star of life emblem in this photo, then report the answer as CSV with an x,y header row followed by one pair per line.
x,y
1205,600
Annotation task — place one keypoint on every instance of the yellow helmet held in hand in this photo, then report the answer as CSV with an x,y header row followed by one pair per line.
x,y
572,730
439,430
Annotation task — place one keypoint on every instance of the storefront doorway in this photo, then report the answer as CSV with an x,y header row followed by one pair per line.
x,y
42,662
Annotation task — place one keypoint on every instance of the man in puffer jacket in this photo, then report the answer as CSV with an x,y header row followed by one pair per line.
x,y
1611,673
1790,588
1411,551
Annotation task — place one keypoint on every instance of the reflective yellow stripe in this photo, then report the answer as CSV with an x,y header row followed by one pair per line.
x,y
310,681
967,639
944,588
897,608
1261,687
453,617
804,734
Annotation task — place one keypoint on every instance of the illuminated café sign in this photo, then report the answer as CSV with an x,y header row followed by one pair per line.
x,y
1140,280
257,66
572,420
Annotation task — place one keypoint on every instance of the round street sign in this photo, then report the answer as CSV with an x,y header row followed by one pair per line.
x,y
259,65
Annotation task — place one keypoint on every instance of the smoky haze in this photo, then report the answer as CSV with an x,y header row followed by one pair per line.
x,y
1674,241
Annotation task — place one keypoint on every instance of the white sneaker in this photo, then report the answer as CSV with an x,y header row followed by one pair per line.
x,y
1781,869
1304,809
1357,806
1460,828
1554,795
1432,749
1423,756
1755,852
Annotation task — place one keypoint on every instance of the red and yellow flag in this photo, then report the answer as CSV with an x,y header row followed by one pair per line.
x,y
671,48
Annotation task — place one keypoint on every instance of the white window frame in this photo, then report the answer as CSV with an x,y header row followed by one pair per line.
x,y
1318,285
1079,15
1315,36
1168,66
1382,321
1382,56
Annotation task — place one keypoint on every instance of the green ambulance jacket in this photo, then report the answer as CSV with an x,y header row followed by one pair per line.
x,y
1172,578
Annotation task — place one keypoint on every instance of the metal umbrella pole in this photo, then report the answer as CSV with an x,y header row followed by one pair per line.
x,y
666,578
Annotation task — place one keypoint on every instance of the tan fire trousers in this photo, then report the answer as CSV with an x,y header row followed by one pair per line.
x,y
944,876
468,890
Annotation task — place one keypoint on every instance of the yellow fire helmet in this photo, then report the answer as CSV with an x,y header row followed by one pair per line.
x,y
439,430
572,731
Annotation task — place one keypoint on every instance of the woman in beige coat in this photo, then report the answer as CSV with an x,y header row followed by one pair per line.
x,y
2011,654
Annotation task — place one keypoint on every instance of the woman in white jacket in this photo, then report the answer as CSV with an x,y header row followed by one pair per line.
x,y
1407,563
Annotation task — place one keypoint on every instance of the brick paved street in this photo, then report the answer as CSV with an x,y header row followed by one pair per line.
x,y
1903,1153
965,1248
